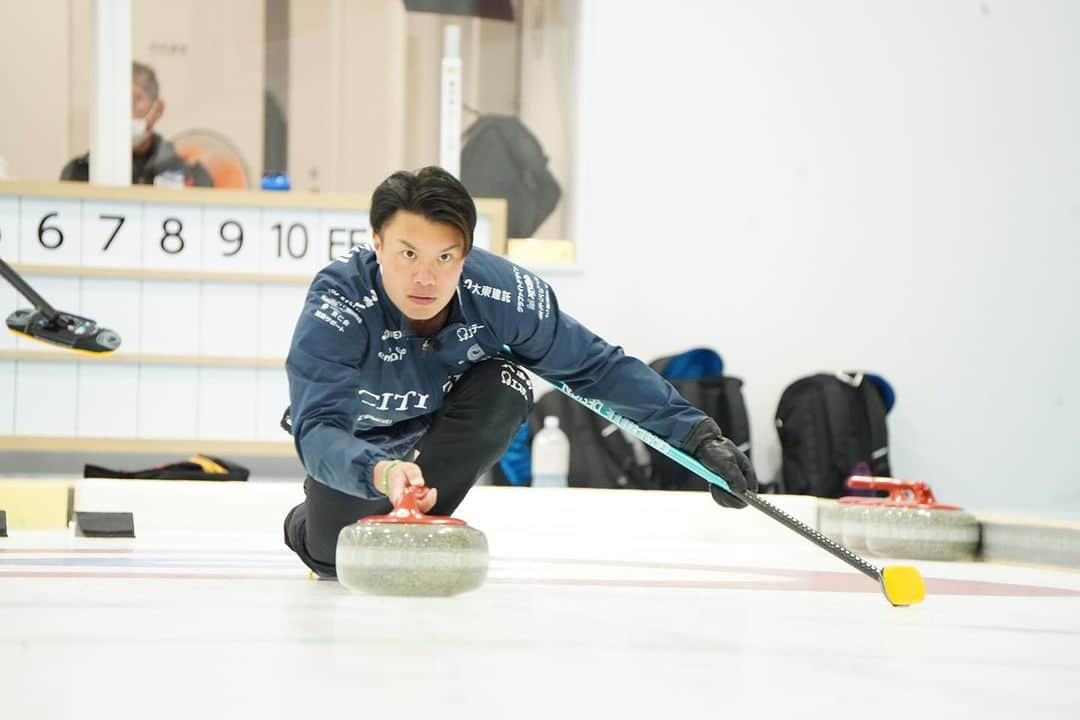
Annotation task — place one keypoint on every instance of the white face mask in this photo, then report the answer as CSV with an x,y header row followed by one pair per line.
x,y
138,131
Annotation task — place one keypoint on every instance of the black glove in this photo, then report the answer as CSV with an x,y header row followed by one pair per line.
x,y
709,447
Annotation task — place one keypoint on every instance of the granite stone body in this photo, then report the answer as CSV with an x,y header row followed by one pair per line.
x,y
415,560
922,534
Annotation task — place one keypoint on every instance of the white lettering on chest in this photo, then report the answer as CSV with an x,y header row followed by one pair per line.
x,y
395,401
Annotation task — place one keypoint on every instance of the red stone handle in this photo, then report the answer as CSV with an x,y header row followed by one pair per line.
x,y
900,491
407,511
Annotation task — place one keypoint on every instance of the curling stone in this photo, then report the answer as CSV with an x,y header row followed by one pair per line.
x,y
828,519
855,514
410,553
910,523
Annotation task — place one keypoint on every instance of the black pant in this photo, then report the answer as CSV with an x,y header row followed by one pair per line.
x,y
468,435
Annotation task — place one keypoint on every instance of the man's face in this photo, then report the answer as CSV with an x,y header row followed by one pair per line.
x,y
421,263
140,101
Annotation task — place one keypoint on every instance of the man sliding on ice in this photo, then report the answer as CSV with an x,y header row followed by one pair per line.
x,y
398,373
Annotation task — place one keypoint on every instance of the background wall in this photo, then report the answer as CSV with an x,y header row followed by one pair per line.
x,y
803,186
849,184
209,58
346,93
33,135
362,78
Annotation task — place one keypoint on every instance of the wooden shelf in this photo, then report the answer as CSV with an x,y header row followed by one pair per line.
x,y
209,196
187,196
44,443
131,274
122,358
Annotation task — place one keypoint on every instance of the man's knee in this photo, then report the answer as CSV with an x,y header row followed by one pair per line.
x,y
311,528
502,386
297,540
482,411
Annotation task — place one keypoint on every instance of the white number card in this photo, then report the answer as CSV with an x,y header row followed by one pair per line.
x,y
290,243
341,230
49,231
172,237
111,234
9,229
231,240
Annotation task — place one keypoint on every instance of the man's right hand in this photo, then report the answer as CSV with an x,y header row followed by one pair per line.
x,y
398,474
708,446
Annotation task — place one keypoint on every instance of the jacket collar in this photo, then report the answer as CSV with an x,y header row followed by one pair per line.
x,y
396,319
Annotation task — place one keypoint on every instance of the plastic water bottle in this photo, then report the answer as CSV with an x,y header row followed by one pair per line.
x,y
550,455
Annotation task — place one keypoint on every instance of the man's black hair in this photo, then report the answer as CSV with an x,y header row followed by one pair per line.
x,y
431,192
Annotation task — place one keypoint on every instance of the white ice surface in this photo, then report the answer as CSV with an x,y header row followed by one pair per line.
x,y
578,619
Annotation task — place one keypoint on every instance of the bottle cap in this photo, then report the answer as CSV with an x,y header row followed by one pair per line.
x,y
551,421
276,181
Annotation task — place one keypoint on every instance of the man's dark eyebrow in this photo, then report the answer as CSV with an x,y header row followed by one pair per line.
x,y
409,245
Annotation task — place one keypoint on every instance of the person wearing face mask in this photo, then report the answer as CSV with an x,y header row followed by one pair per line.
x,y
152,156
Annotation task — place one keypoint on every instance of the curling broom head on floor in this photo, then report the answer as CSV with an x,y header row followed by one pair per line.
x,y
412,554
65,330
45,323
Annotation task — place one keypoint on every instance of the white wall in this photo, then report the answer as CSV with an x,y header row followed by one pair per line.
x,y
849,184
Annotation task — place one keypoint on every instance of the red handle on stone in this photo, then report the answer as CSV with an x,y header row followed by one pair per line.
x,y
900,491
407,511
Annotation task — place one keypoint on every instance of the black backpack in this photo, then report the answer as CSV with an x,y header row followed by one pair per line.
x,y
832,426
500,158
718,396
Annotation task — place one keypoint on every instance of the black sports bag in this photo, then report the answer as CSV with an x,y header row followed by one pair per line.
x,y
832,426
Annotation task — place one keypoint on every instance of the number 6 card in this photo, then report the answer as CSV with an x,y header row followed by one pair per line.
x,y
49,231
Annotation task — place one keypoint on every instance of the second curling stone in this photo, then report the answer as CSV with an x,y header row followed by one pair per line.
x,y
910,523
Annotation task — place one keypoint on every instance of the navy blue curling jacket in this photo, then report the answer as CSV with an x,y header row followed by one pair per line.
x,y
363,385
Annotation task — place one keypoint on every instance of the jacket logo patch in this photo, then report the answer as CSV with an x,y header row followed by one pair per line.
x,y
513,377
394,401
375,419
393,354
486,291
468,332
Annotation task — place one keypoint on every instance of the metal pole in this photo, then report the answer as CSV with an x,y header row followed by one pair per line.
x,y
9,274
450,110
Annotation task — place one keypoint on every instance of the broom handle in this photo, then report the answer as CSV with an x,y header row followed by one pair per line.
x,y
696,467
23,287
